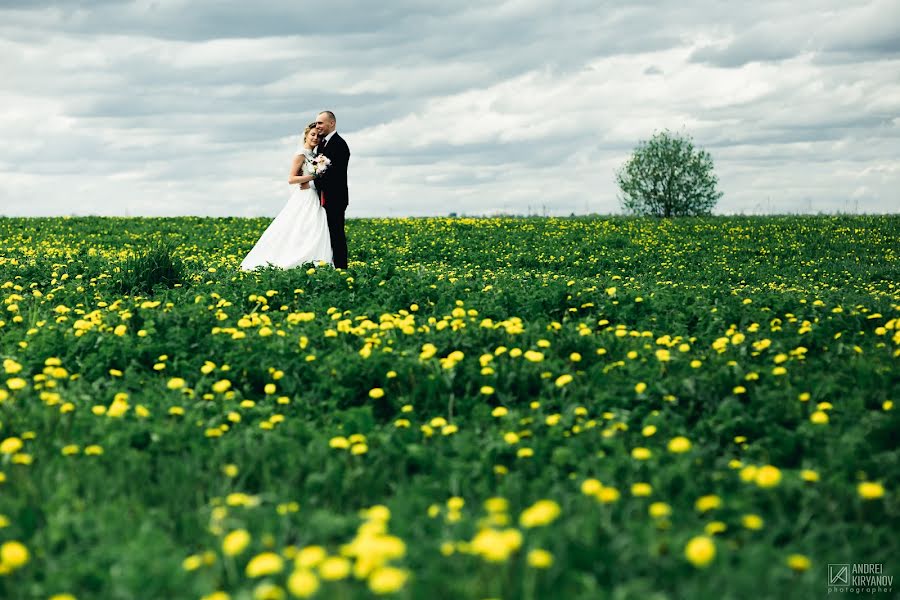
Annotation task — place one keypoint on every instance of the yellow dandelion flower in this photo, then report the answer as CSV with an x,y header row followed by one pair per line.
x,y
607,495
334,568
563,380
16,383
768,476
339,442
309,557
235,542
533,356
496,505
679,445
455,503
752,521
496,545
590,487
641,453
707,503
268,591
641,489
359,449
809,475
387,580
798,562
542,512
11,445
869,490
540,559
714,527
302,583
267,563
13,554
819,417
748,473
700,551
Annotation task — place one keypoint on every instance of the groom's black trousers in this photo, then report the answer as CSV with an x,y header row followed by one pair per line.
x,y
338,236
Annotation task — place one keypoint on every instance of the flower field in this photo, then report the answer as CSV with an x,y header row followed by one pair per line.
x,y
476,408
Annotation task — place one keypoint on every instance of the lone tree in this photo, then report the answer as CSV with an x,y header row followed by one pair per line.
x,y
667,177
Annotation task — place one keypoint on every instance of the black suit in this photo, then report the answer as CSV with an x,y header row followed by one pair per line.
x,y
332,188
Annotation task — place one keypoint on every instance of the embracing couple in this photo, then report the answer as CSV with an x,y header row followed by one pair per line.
x,y
310,227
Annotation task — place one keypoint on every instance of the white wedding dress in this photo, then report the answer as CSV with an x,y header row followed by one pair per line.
x,y
298,235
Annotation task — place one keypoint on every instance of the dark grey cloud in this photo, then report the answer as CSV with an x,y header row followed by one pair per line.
x,y
857,31
196,21
745,51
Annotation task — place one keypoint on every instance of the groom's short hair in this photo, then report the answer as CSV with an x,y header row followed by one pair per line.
x,y
330,115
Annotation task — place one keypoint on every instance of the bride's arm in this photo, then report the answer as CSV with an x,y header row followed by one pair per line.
x,y
293,177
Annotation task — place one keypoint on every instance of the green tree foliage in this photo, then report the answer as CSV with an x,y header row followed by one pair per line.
x,y
667,177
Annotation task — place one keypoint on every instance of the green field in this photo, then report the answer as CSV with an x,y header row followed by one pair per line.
x,y
476,408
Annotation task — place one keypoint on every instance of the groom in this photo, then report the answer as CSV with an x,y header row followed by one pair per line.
x,y
332,184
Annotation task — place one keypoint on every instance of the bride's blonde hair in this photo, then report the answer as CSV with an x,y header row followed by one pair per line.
x,y
306,132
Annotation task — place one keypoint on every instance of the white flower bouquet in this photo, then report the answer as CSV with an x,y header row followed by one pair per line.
x,y
319,164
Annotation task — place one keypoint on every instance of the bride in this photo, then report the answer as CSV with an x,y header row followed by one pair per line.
x,y
299,234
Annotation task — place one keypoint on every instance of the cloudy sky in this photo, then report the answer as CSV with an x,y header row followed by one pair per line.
x,y
173,107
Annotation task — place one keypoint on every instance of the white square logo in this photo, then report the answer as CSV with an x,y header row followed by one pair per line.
x,y
838,574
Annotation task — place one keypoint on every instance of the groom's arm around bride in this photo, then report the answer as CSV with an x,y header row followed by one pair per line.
x,y
332,183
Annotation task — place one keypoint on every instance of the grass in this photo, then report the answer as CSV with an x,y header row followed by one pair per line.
x,y
504,392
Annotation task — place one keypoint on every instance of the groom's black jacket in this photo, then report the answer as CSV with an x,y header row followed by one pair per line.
x,y
333,182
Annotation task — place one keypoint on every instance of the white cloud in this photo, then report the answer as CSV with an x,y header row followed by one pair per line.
x,y
171,107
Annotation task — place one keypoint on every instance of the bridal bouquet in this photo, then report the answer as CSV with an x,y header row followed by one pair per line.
x,y
319,164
